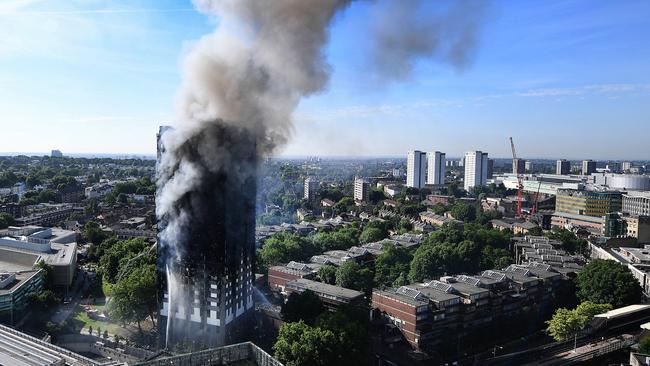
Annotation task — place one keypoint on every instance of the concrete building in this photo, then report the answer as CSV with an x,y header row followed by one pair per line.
x,y
518,166
570,221
311,185
490,168
626,166
588,202
588,167
476,169
331,296
30,245
46,215
416,168
563,167
361,190
436,168
16,282
56,154
529,166
636,203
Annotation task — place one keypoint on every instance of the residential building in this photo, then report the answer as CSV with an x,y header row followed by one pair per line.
x,y
518,166
626,166
13,209
46,215
435,199
476,169
416,168
311,186
465,306
529,166
392,190
331,296
438,220
436,168
563,167
588,202
490,168
588,167
361,190
56,154
326,202
279,276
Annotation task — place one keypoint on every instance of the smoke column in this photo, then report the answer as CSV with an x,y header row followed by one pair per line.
x,y
241,84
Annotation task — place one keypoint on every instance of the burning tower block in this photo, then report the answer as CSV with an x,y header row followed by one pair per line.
x,y
206,244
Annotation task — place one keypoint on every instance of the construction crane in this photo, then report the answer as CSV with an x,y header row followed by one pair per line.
x,y
520,178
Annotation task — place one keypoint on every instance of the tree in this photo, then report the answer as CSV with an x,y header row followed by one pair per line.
x,y
433,260
644,345
567,323
608,282
285,247
564,324
305,306
298,344
371,235
570,242
134,297
94,233
351,275
90,329
105,336
48,274
392,263
464,212
6,220
327,274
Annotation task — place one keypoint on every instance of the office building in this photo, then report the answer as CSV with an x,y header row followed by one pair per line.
x,y
17,281
588,167
476,169
636,203
436,168
311,186
518,166
563,167
361,190
588,203
416,168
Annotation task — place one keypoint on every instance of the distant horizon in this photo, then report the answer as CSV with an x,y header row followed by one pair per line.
x,y
286,156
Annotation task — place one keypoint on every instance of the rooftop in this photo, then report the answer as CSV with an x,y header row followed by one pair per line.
x,y
323,288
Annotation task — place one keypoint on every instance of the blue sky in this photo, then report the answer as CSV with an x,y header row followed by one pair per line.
x,y
564,78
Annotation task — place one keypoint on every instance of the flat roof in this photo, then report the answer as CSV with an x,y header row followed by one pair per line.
x,y
21,279
324,288
613,314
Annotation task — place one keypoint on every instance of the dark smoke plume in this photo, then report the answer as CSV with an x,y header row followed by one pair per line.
x,y
407,31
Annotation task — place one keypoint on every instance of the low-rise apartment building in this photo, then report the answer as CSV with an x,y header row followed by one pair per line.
x,y
331,296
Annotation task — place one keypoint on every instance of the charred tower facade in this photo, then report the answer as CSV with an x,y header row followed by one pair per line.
x,y
206,243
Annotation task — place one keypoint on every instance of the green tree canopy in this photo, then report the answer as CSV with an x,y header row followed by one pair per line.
x,y
6,220
327,274
608,282
298,344
305,306
134,296
567,323
351,275
391,264
644,345
371,235
464,212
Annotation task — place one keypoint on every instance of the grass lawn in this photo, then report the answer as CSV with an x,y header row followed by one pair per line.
x,y
81,320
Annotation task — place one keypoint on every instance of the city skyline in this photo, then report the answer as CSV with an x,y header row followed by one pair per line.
x,y
104,75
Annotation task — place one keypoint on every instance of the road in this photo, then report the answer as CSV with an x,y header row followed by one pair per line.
x,y
78,288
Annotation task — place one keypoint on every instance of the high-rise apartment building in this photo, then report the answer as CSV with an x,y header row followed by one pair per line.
x,y
476,169
311,185
588,167
436,168
518,166
563,167
205,263
490,168
529,166
416,168
361,190
626,166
